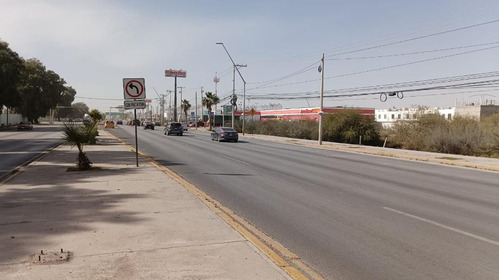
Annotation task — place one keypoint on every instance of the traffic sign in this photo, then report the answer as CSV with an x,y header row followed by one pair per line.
x,y
134,88
134,104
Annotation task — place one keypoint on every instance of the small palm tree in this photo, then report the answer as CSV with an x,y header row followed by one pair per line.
x,y
79,135
209,100
185,106
96,116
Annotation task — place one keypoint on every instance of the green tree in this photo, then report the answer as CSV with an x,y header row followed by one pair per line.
x,y
79,136
40,90
185,106
96,116
208,101
64,107
11,67
348,125
79,109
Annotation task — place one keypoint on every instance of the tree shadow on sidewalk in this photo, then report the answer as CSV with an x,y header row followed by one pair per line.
x,y
34,217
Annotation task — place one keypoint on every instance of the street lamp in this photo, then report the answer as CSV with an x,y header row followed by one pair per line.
x,y
235,68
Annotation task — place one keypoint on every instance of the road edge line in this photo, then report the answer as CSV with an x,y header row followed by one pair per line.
x,y
275,251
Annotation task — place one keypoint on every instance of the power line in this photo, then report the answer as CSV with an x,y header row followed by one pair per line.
x,y
413,53
382,68
416,38
387,87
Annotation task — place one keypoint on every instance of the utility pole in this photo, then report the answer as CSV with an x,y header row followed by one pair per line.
x,y
201,101
322,70
169,115
233,101
180,92
216,80
196,110
235,68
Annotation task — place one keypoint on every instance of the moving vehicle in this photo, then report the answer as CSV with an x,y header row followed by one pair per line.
x,y
25,126
173,128
149,125
225,134
109,124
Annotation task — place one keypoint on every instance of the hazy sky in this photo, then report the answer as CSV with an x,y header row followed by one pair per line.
x,y
93,45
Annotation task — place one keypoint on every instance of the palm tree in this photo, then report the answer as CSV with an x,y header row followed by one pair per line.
x,y
209,100
96,116
185,106
79,135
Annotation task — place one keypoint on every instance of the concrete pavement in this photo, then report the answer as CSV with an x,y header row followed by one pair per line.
x,y
117,221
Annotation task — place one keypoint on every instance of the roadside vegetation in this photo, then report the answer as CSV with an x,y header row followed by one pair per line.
x,y
463,135
30,89
80,135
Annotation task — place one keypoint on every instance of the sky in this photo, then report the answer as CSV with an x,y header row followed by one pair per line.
x,y
94,45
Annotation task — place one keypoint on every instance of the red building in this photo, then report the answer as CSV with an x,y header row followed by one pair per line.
x,y
303,113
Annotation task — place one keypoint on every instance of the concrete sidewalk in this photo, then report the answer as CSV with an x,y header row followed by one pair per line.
x,y
116,222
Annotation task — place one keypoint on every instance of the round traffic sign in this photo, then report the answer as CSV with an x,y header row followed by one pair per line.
x,y
134,88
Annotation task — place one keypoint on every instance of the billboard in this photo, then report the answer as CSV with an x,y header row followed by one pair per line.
x,y
175,73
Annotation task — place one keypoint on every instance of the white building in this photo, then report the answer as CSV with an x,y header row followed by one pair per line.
x,y
388,117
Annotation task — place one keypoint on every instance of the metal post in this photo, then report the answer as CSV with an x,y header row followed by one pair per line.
x,y
232,98
196,110
136,145
175,99
216,80
201,101
320,136
244,90
180,92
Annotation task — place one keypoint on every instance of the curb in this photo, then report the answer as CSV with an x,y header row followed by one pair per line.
x,y
277,253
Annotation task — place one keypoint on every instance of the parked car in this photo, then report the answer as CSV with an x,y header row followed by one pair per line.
x,y
25,126
173,128
149,125
225,134
109,124
119,122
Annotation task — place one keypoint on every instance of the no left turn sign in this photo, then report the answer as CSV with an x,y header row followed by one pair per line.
x,y
134,88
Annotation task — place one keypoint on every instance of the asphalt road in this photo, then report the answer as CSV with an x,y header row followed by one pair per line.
x,y
347,215
18,148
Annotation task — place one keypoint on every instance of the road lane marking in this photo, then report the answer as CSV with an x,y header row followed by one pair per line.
x,y
443,226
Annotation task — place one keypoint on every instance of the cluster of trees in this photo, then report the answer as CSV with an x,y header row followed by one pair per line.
x,y
463,135
30,89
346,126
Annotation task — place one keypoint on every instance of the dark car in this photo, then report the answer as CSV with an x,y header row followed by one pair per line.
x,y
225,134
173,128
24,126
149,125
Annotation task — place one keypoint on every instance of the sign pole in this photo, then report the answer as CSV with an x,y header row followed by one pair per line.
x,y
136,145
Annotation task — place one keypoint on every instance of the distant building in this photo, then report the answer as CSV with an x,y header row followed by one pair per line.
x,y
388,117
477,110
309,113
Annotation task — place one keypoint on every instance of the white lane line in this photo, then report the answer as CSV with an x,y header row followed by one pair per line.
x,y
443,226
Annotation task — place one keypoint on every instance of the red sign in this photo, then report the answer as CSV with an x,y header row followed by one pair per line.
x,y
175,73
